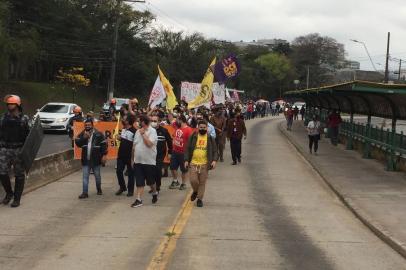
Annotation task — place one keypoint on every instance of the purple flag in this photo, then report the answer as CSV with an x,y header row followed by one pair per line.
x,y
226,69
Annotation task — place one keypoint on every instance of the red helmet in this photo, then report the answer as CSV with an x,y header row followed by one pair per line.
x,y
113,101
77,109
12,99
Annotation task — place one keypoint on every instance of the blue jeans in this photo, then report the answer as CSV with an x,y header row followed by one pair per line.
x,y
86,173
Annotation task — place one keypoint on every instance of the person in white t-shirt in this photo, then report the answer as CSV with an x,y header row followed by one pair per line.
x,y
313,130
144,157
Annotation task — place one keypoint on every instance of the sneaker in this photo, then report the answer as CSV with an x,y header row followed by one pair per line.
x,y
15,203
199,203
150,191
182,187
174,185
239,160
99,192
136,204
154,198
193,197
234,163
7,199
83,196
120,191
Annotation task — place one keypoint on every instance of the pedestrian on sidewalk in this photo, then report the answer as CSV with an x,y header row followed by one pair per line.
x,y
94,154
14,129
235,131
314,131
126,139
164,146
144,153
289,117
201,156
333,124
180,140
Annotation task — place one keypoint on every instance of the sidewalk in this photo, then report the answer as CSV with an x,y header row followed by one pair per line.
x,y
375,196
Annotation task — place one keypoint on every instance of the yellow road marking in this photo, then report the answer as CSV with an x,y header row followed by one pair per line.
x,y
167,246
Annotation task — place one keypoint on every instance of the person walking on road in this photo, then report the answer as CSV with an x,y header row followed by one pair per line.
x,y
289,118
94,154
180,140
200,156
333,124
302,112
219,122
313,130
164,146
235,131
14,129
126,139
144,153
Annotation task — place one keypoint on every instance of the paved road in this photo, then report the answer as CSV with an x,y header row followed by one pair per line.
x,y
271,212
53,143
274,212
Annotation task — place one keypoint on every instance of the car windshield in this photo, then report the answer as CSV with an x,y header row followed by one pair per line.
x,y
53,108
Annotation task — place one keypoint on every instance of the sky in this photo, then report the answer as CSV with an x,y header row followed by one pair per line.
x,y
368,21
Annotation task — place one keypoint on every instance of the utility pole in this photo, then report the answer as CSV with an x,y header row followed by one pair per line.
x,y
115,44
400,69
387,61
308,77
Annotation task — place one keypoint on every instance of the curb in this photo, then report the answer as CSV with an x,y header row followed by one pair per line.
x,y
372,225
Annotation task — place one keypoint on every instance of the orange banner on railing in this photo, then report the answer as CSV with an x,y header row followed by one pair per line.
x,y
107,128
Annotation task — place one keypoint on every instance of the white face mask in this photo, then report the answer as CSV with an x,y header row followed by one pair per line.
x,y
154,124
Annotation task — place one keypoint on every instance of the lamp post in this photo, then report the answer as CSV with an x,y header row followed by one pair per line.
x,y
366,49
115,44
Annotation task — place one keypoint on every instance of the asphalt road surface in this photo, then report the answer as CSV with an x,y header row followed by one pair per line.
x,y
273,211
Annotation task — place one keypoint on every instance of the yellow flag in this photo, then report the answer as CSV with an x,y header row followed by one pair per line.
x,y
116,131
171,101
206,92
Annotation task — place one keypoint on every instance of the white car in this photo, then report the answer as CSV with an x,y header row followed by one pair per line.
x,y
56,116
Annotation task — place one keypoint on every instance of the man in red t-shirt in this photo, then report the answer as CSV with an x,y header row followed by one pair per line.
x,y
179,144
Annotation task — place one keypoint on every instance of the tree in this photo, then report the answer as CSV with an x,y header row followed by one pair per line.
x,y
322,55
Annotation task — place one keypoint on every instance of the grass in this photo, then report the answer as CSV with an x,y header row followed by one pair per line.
x,y
34,95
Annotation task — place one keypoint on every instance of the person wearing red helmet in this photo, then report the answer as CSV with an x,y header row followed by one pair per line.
x,y
14,129
112,110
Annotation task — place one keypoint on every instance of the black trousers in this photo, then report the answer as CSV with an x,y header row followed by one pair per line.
x,y
158,174
235,145
18,186
314,141
121,164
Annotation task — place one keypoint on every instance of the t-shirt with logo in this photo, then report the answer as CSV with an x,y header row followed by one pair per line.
x,y
200,152
126,143
181,138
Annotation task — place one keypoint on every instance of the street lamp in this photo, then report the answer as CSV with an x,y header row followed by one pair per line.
x,y
115,42
366,49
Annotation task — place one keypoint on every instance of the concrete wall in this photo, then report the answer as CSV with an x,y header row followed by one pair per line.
x,y
51,168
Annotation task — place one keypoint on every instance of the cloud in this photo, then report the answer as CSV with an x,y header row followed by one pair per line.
x,y
365,20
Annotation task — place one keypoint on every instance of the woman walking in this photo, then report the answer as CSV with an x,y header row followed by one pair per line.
x,y
313,130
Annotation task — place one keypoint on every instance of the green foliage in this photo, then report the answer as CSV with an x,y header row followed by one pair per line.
x,y
277,65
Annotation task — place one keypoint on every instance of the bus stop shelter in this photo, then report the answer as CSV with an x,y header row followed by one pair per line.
x,y
363,98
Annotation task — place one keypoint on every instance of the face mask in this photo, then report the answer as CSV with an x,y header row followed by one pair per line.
x,y
88,128
202,131
154,124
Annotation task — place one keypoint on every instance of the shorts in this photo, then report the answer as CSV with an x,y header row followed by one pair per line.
x,y
178,160
144,174
9,159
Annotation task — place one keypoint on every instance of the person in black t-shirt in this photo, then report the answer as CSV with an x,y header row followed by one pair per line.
x,y
124,156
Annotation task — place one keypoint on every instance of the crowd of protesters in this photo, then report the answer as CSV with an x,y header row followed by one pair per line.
x,y
187,141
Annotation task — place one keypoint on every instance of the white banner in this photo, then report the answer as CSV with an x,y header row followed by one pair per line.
x,y
189,91
232,95
158,94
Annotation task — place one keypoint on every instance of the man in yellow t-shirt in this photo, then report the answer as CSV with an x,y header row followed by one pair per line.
x,y
200,156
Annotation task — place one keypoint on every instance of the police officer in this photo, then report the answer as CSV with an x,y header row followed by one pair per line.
x,y
14,129
78,117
